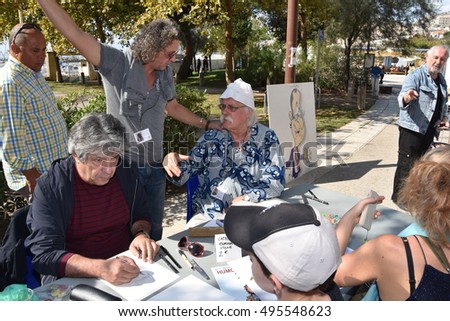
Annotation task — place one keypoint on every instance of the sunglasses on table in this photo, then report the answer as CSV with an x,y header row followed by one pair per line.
x,y
25,26
195,248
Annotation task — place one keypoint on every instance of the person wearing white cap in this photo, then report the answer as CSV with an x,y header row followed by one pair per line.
x,y
242,161
293,248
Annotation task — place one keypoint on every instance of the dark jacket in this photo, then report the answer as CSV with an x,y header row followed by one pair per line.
x,y
52,207
13,265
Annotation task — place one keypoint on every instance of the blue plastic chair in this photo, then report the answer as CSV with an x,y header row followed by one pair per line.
x,y
191,186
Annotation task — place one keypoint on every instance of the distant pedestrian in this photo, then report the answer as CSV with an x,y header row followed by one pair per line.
x,y
375,73
205,64
382,72
199,65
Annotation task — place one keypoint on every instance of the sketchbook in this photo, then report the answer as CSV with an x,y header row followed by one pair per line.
x,y
152,278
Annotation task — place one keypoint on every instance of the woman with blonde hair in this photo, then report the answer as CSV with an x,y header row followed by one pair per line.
x,y
413,267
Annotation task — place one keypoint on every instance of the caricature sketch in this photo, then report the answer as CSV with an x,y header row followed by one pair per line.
x,y
297,125
292,116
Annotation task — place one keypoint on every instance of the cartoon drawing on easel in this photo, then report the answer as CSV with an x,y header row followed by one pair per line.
x,y
297,125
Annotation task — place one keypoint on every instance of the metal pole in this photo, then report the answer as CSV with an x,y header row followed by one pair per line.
x,y
320,38
291,40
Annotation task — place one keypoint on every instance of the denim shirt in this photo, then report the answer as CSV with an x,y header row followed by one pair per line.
x,y
416,115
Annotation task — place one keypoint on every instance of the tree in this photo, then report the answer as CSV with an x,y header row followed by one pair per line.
x,y
313,14
363,20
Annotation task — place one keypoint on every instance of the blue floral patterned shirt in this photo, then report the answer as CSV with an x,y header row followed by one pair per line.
x,y
225,171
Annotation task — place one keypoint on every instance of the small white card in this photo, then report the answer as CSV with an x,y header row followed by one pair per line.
x,y
225,250
142,136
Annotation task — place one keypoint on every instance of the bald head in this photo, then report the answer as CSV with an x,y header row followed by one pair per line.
x,y
27,44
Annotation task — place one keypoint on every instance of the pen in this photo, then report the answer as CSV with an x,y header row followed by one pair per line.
x,y
251,295
170,256
185,258
199,269
168,263
123,260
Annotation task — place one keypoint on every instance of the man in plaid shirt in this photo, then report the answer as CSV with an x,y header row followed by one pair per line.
x,y
34,131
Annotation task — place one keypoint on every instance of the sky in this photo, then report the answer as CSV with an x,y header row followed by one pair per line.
x,y
445,5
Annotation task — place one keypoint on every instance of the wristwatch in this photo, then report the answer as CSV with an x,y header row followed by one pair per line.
x,y
246,197
142,232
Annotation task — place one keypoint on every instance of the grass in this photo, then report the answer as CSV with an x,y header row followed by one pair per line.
x,y
67,87
329,118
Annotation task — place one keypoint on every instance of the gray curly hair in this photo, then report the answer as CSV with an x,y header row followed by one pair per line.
x,y
98,134
154,37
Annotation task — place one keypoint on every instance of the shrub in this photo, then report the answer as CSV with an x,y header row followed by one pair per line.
x,y
77,104
177,136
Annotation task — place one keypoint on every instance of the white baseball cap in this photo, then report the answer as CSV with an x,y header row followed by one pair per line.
x,y
240,91
294,241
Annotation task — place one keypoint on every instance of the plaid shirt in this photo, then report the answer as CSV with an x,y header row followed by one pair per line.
x,y
34,131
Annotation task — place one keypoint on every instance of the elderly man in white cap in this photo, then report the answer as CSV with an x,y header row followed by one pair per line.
x,y
241,162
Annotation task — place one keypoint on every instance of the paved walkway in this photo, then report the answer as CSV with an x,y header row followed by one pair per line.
x,y
360,156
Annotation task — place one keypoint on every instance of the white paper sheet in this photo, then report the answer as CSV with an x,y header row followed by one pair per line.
x,y
191,288
243,269
152,278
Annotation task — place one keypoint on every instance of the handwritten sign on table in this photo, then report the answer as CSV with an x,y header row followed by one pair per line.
x,y
225,250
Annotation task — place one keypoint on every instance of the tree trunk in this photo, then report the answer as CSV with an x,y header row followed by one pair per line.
x,y
303,37
185,68
229,70
347,50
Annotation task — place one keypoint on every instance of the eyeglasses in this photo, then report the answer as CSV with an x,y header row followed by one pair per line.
x,y
24,27
230,108
97,161
172,54
195,248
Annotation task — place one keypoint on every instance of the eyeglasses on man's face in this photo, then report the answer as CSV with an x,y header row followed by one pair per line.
x,y
230,108
103,161
171,54
25,26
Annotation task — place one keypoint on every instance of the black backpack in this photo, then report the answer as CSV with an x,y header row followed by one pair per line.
x,y
15,263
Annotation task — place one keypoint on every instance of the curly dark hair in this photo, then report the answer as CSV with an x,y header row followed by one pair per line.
x,y
154,37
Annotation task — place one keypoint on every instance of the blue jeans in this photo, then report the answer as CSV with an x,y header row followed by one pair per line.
x,y
153,179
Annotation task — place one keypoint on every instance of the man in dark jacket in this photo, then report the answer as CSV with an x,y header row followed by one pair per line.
x,y
89,207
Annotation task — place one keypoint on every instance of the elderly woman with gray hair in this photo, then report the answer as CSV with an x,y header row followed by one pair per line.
x,y
241,162
90,207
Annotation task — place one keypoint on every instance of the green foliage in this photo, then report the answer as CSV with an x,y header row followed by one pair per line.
x,y
75,105
9,200
305,71
264,62
179,137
